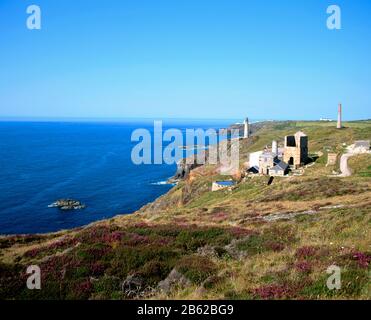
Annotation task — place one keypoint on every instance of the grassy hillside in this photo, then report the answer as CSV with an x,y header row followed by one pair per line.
x,y
256,242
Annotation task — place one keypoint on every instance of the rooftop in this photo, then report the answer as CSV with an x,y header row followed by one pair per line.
x,y
280,165
227,183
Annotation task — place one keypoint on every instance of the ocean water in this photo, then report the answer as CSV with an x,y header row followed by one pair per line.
x,y
41,162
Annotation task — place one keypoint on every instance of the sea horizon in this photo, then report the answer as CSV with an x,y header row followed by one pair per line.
x,y
165,119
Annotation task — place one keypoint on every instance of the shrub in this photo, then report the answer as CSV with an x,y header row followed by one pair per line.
x,y
221,252
154,271
102,234
57,267
107,285
273,291
80,290
191,240
130,259
241,232
93,252
80,272
212,281
234,295
54,247
305,252
97,268
12,280
271,239
363,259
254,244
196,268
303,266
274,246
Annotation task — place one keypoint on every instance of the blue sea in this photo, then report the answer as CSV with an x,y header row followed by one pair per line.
x,y
41,162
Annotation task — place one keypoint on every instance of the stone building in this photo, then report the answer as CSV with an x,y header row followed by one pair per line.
x,y
266,162
296,149
270,164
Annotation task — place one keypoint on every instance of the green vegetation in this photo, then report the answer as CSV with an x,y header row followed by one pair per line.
x,y
322,187
361,165
272,239
196,268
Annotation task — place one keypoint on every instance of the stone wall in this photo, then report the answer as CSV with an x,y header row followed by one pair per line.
x,y
331,159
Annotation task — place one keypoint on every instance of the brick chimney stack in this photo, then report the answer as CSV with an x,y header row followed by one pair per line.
x,y
339,125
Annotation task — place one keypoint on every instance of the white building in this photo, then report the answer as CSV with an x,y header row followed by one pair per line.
x,y
254,158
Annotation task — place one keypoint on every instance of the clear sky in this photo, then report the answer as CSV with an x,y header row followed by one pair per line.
x,y
185,59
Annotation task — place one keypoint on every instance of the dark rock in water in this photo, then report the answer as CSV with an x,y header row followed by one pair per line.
x,y
67,204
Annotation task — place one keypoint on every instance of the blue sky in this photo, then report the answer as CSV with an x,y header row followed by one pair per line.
x,y
215,59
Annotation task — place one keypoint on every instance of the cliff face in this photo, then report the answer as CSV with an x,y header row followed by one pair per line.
x,y
184,167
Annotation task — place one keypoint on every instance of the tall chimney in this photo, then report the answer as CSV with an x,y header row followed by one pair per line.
x,y
339,126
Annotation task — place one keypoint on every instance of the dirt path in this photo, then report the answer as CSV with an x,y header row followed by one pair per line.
x,y
345,171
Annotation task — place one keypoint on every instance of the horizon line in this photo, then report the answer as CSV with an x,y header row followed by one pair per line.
x,y
130,119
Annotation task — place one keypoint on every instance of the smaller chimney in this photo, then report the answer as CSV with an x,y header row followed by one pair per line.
x,y
339,125
246,129
275,147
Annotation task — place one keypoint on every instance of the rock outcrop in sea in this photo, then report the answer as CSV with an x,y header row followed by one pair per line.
x,y
67,204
